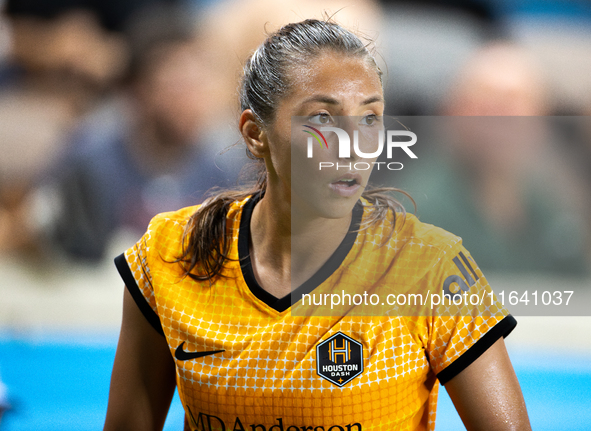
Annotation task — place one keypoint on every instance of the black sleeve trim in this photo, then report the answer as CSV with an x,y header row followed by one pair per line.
x,y
135,292
501,329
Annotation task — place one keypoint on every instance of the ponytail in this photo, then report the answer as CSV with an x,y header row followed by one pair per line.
x,y
206,241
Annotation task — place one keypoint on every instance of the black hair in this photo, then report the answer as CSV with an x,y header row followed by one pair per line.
x,y
266,72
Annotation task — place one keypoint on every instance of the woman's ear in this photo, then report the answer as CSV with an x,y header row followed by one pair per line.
x,y
254,136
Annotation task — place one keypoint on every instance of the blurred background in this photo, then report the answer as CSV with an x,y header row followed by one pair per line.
x,y
113,111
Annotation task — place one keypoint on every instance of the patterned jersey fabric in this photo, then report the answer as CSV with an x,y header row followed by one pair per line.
x,y
246,361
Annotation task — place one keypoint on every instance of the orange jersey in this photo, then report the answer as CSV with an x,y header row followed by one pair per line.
x,y
246,361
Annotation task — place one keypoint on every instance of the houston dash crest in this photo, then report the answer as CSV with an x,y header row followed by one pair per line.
x,y
339,359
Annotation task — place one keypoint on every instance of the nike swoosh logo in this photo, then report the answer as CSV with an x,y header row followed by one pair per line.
x,y
181,355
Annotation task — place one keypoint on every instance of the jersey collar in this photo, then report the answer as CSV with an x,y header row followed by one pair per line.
x,y
329,267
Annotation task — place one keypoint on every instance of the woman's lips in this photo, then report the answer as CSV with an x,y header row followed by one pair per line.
x,y
347,185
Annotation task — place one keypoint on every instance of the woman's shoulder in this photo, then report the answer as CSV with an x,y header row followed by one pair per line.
x,y
410,232
178,219
165,230
413,228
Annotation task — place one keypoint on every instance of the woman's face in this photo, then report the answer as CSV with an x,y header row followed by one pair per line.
x,y
333,90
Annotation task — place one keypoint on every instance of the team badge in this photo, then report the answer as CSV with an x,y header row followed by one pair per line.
x,y
339,359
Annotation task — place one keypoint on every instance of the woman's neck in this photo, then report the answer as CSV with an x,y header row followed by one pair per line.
x,y
288,247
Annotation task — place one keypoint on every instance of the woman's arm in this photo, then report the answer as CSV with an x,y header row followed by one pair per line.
x,y
487,395
143,378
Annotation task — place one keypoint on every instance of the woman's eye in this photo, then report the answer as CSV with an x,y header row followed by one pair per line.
x,y
370,120
320,119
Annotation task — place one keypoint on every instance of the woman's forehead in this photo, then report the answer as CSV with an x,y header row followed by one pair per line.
x,y
332,76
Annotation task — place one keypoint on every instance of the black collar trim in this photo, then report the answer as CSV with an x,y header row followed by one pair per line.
x,y
329,267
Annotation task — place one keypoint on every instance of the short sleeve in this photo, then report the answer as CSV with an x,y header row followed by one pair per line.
x,y
461,332
134,268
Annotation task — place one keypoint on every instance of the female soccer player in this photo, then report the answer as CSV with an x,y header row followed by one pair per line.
x,y
208,304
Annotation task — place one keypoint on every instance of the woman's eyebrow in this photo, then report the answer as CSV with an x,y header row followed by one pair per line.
x,y
322,99
373,99
332,101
